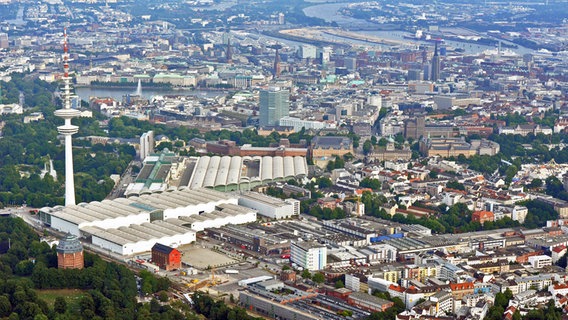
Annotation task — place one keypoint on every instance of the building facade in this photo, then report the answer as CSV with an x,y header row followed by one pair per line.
x,y
309,255
166,257
274,104
146,144
70,253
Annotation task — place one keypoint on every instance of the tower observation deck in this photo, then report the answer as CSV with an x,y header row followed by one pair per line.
x,y
67,129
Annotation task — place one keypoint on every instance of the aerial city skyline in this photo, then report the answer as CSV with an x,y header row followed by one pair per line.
x,y
301,159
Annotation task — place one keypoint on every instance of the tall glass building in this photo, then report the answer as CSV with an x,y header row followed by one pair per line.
x,y
274,104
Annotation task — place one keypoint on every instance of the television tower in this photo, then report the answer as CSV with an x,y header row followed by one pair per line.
x,y
67,129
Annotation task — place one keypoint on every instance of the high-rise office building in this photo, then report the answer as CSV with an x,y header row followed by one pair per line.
x,y
307,52
274,104
146,144
350,63
309,255
435,75
229,52
4,43
277,69
324,55
415,74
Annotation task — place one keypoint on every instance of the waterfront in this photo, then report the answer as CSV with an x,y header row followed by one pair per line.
x,y
330,13
85,93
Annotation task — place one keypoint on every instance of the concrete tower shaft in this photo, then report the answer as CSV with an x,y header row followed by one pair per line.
x,y
67,129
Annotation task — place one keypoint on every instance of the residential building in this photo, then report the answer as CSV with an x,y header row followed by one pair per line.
x,y
540,261
482,216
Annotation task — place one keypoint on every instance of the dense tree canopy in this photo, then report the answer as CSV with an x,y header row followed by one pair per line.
x,y
109,289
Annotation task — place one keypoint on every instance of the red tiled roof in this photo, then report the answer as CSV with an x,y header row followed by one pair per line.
x,y
461,286
559,248
396,288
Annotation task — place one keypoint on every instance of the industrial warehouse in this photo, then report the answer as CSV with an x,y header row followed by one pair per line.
x,y
165,171
133,225
238,173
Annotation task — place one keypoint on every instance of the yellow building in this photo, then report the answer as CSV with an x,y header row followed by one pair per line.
x,y
326,148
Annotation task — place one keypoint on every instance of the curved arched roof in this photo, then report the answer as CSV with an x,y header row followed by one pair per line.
x,y
223,171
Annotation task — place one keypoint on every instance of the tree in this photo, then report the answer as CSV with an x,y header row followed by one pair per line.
x,y
399,138
339,162
163,296
5,306
553,186
510,173
455,185
318,278
87,304
367,147
535,183
306,274
374,184
339,284
324,182
24,268
501,300
60,305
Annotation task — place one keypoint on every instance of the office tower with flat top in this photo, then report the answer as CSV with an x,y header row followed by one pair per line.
x,y
274,104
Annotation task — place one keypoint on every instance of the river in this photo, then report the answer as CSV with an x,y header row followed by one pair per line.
x,y
85,93
329,12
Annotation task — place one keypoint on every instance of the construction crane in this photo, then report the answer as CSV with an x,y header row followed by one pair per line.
x,y
357,200
214,281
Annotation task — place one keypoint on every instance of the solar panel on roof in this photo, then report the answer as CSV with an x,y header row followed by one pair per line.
x,y
142,206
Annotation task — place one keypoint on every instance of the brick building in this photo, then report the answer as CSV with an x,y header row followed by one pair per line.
x,y
166,257
482,216
369,302
70,253
230,148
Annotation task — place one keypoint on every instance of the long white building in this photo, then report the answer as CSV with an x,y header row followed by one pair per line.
x,y
133,225
223,215
139,238
270,207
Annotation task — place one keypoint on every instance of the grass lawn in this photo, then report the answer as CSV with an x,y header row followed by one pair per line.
x,y
72,297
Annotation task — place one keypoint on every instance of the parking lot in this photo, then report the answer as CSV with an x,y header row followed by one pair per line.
x,y
246,270
203,258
